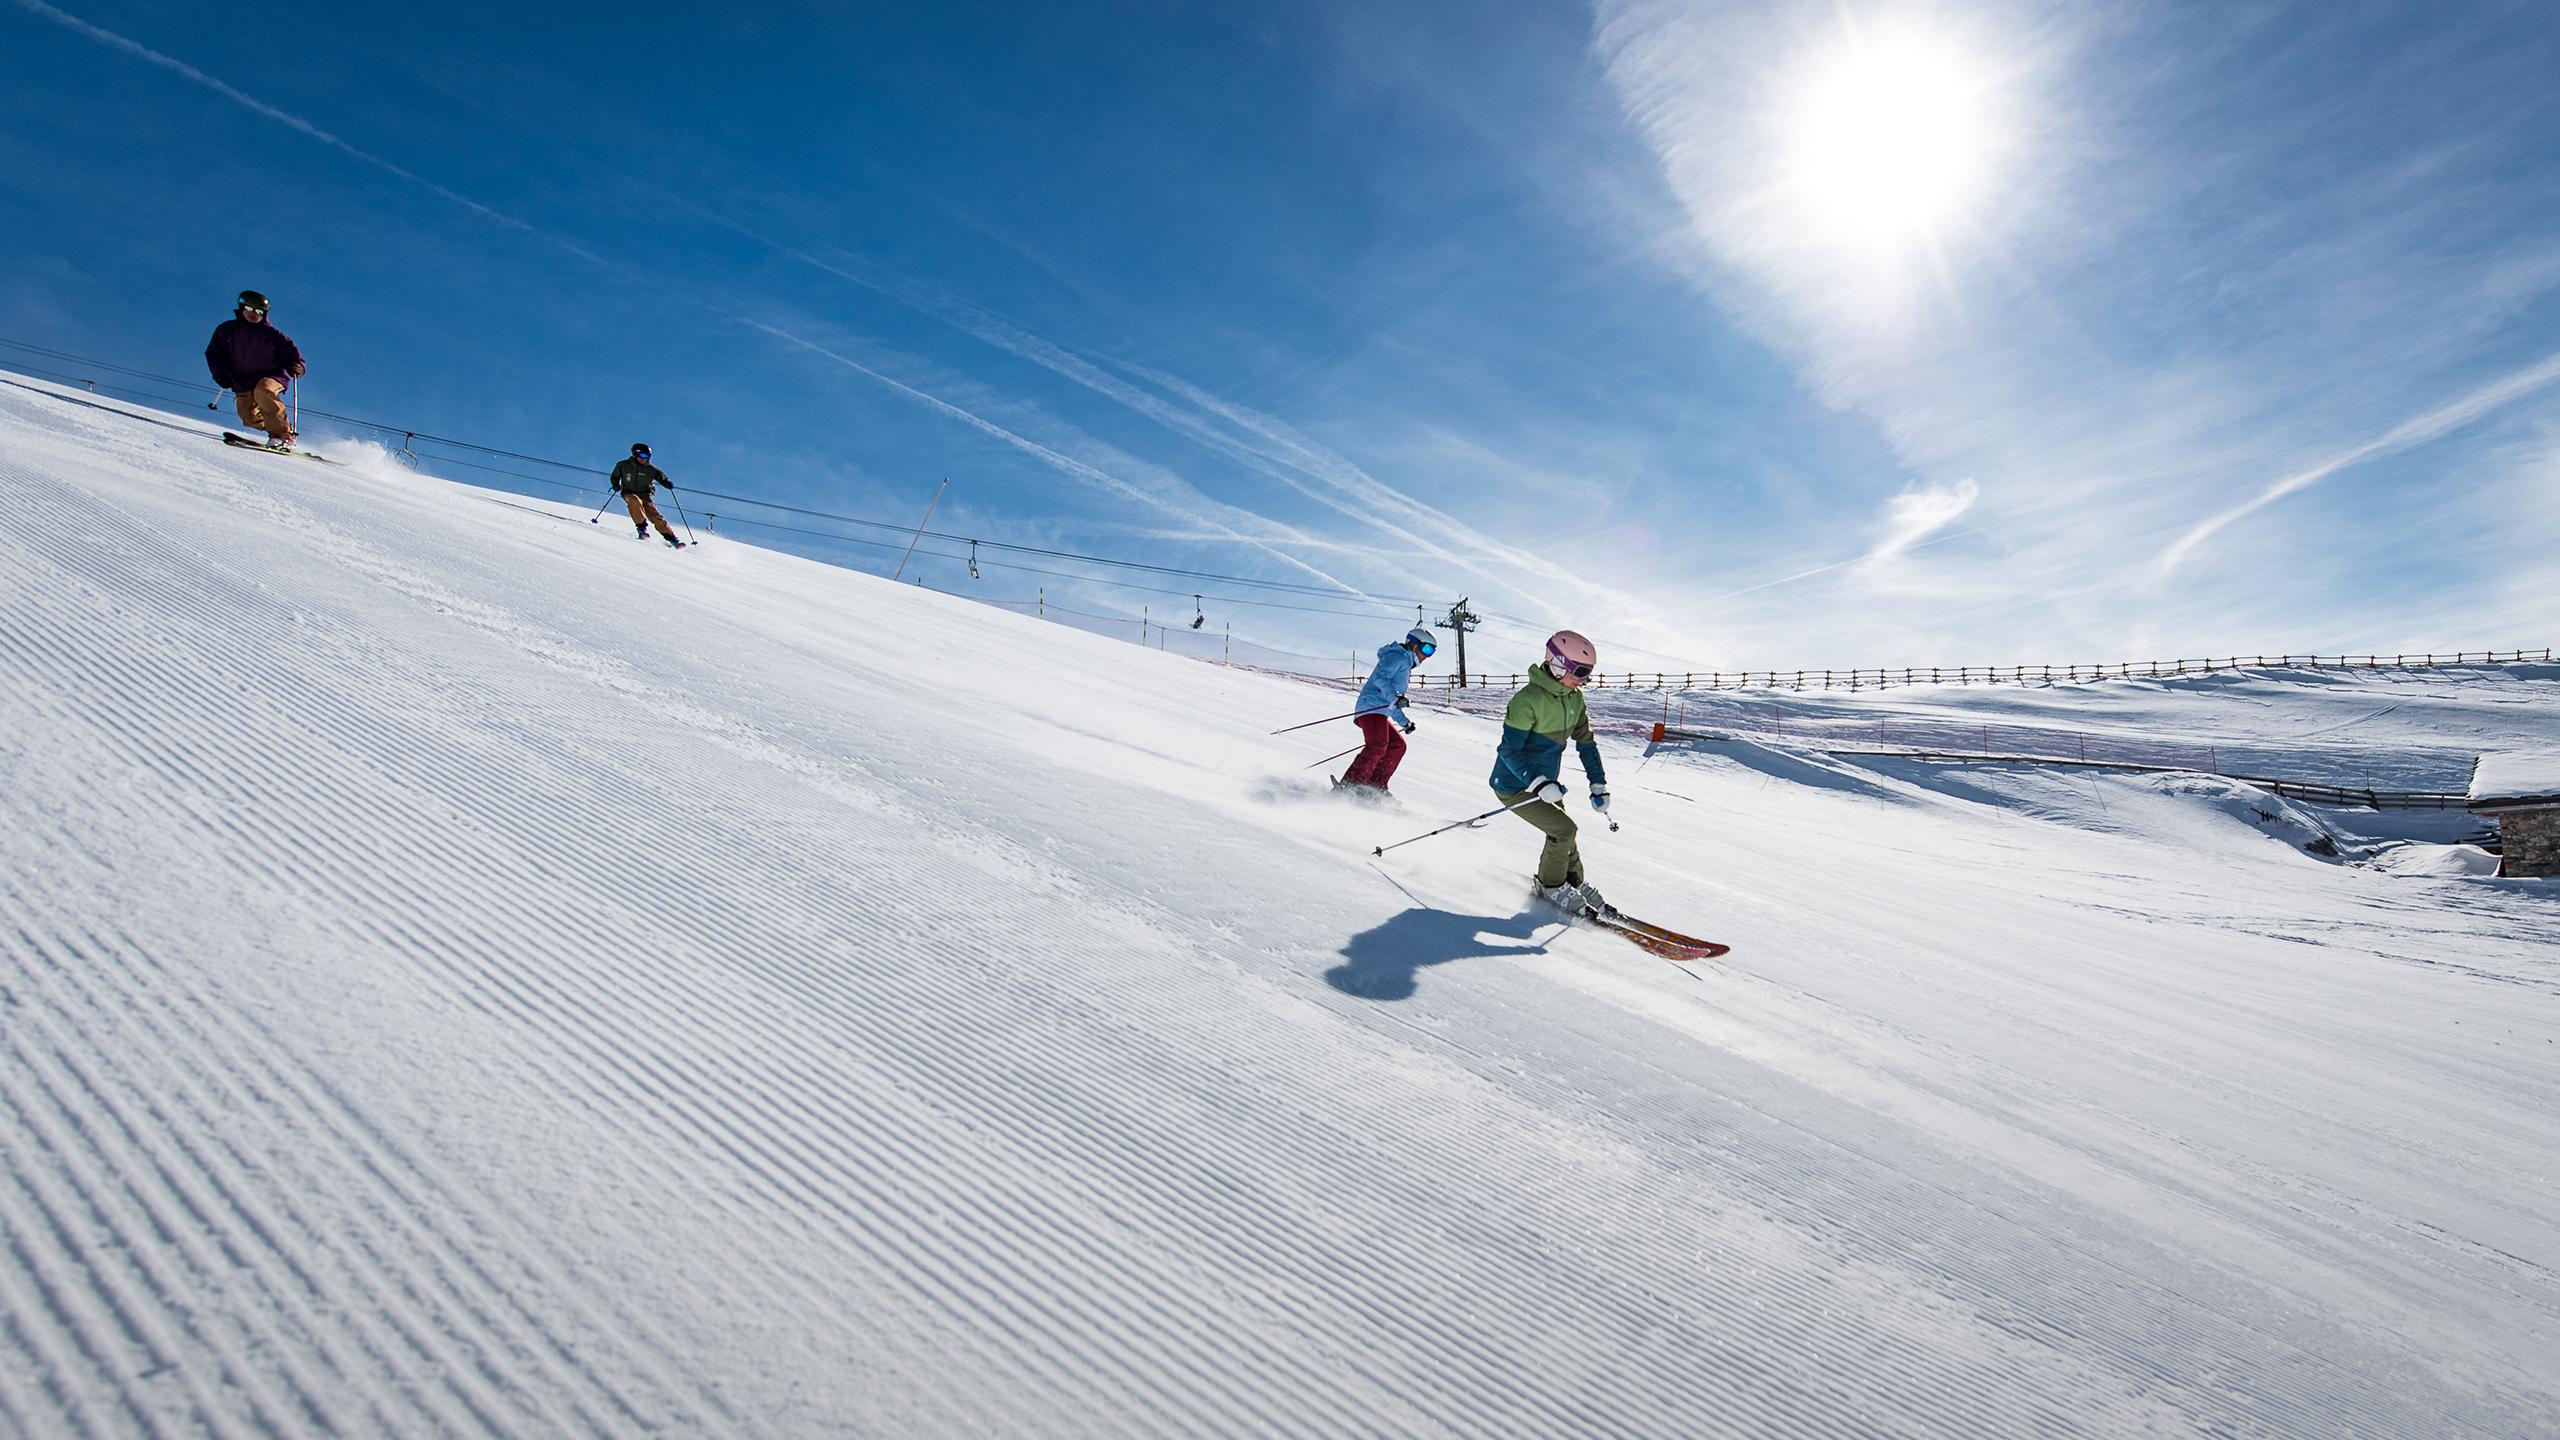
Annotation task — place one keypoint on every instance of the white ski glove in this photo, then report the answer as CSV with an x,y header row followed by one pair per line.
x,y
1551,791
1599,797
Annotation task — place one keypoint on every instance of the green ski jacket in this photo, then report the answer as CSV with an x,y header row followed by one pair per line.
x,y
1543,716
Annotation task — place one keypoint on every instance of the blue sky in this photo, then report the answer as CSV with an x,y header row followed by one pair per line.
x,y
1737,335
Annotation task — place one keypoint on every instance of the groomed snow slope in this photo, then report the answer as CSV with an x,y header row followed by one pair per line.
x,y
465,972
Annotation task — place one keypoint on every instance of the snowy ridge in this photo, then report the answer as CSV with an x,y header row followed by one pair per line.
x,y
2388,730
465,972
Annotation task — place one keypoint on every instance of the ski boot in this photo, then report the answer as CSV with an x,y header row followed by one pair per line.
x,y
1566,897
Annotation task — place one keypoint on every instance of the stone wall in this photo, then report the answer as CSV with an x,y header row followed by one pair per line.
x,y
2530,842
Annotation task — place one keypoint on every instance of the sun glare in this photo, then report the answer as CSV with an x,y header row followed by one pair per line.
x,y
1889,142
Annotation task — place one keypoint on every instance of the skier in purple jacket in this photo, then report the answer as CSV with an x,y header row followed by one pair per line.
x,y
255,361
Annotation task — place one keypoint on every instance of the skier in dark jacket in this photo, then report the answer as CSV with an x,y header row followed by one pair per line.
x,y
1380,710
255,361
1545,716
634,479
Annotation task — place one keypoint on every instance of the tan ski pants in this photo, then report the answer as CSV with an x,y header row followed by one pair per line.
x,y
644,511
262,408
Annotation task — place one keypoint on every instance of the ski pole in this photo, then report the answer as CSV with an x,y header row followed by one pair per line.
x,y
1345,715
1455,824
215,404
1336,755
688,523
598,517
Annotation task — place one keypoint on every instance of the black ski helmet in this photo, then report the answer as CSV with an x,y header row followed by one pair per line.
x,y
640,449
252,300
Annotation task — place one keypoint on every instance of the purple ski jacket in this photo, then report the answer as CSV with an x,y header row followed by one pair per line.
x,y
244,352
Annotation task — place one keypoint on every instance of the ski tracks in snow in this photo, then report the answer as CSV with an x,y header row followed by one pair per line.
x,y
230,1168
429,1004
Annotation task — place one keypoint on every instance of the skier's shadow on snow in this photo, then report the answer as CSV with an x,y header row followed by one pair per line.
x,y
1380,963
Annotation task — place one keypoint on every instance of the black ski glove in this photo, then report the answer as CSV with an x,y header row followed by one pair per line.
x,y
670,484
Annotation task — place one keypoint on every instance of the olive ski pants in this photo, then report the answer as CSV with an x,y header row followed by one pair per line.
x,y
1561,860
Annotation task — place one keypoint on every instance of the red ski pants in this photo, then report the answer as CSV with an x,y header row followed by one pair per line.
x,y
1379,757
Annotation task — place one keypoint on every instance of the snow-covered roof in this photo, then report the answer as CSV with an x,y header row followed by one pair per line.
x,y
2516,777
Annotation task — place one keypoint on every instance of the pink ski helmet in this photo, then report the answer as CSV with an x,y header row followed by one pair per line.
x,y
1570,658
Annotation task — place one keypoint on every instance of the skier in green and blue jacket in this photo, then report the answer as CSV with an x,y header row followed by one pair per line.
x,y
1545,715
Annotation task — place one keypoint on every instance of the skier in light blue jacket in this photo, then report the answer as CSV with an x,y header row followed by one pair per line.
x,y
1380,713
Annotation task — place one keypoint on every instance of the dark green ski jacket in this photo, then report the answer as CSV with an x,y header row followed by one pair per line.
x,y
635,476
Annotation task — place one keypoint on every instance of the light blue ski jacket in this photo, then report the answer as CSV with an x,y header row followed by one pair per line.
x,y
1395,666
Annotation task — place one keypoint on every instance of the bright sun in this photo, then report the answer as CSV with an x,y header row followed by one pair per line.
x,y
1889,141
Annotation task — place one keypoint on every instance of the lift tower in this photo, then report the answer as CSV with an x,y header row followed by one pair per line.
x,y
1461,619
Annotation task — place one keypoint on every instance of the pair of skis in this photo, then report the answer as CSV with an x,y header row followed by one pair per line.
x,y
1669,944
243,442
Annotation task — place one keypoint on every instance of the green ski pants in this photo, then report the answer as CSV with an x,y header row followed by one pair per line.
x,y
1561,860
